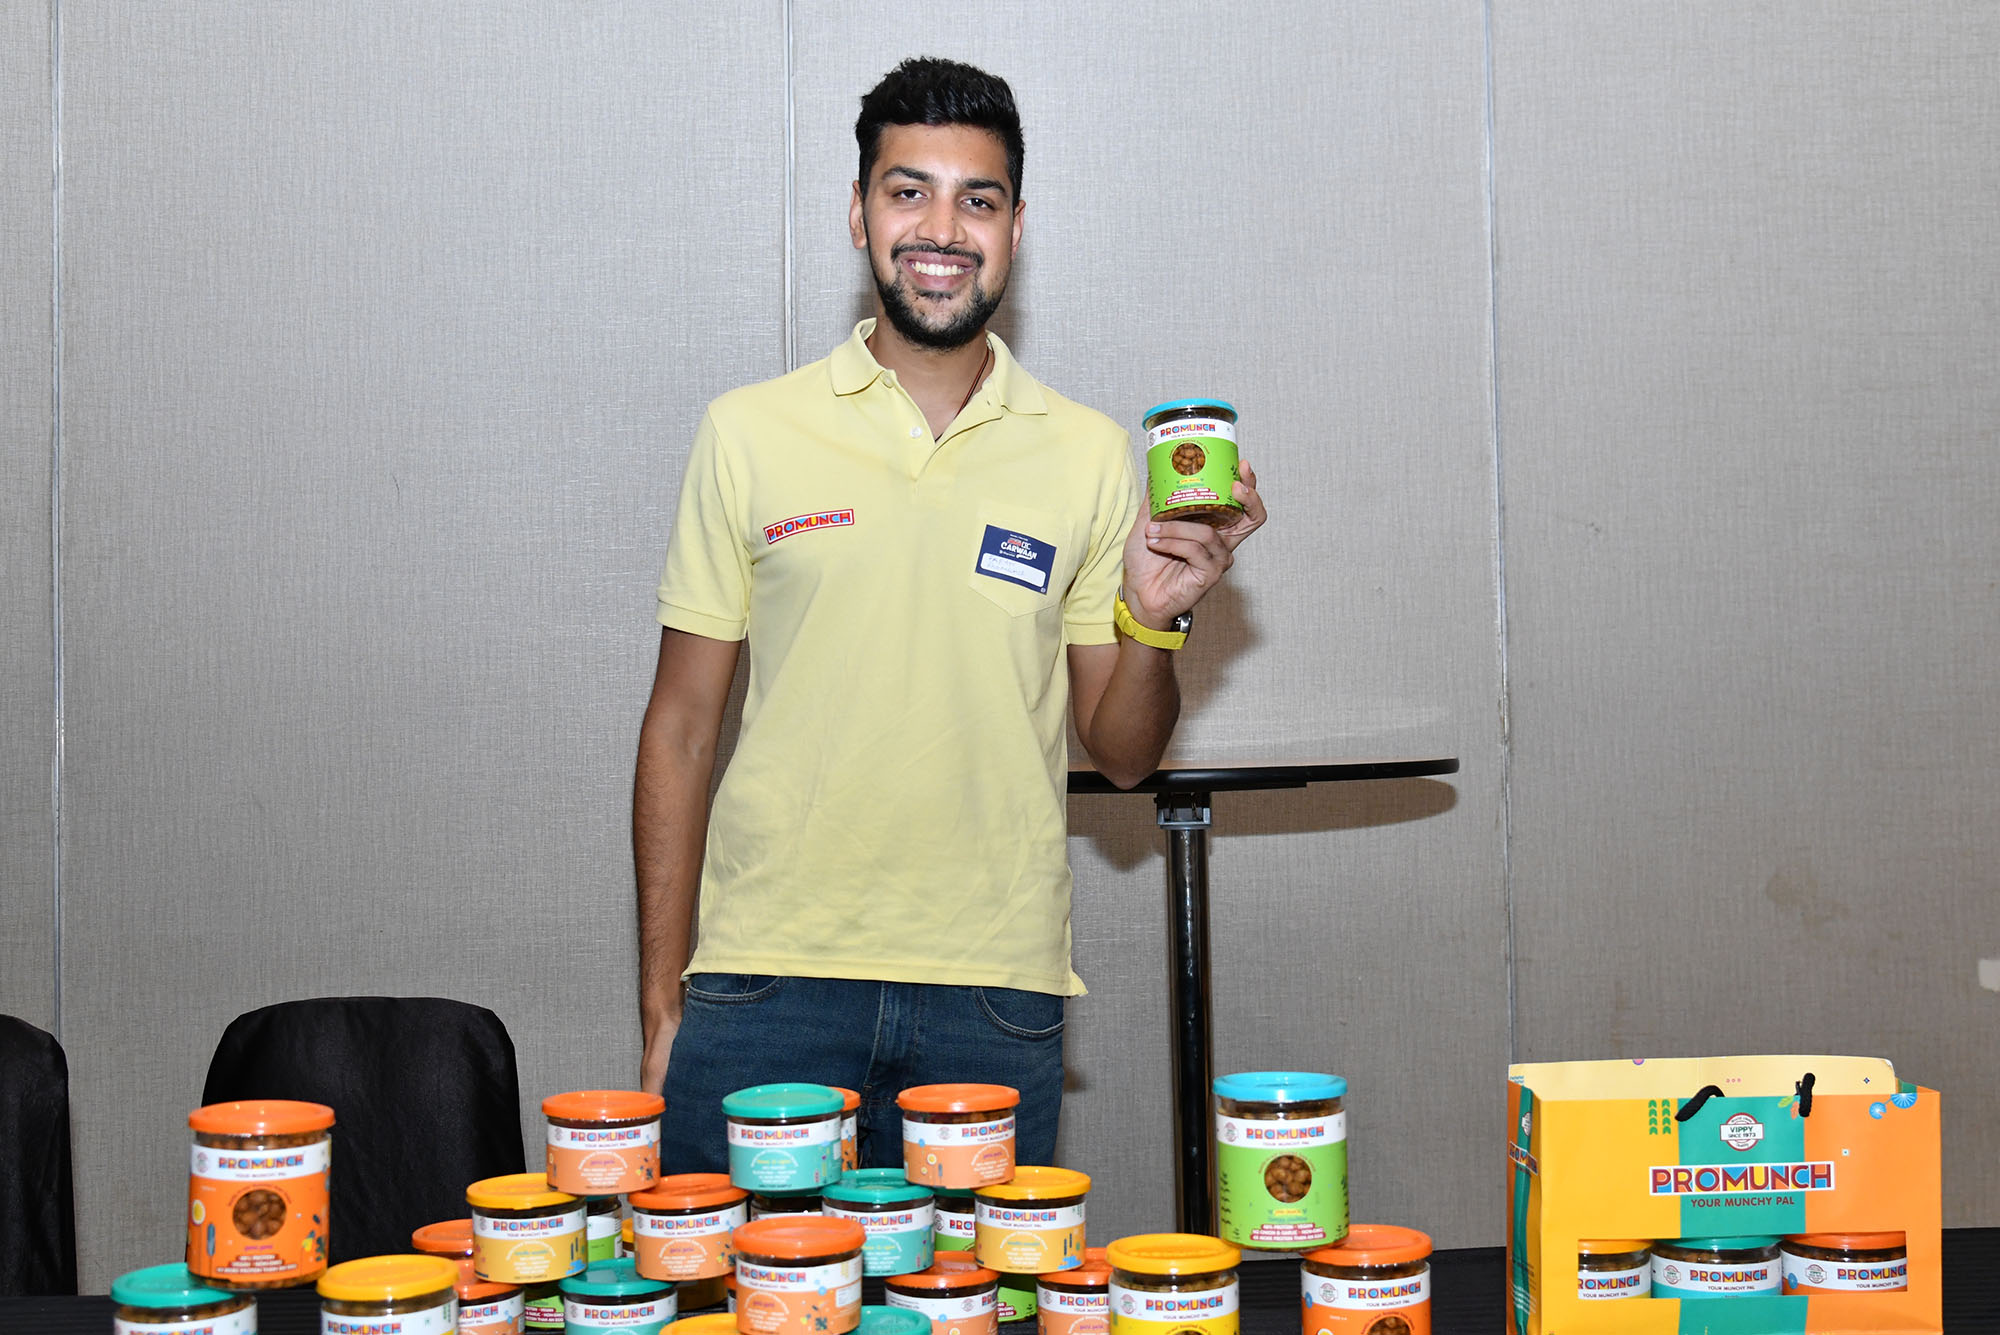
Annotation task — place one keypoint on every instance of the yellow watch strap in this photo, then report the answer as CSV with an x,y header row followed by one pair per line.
x,y
1121,616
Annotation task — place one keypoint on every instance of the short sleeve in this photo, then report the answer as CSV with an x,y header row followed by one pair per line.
x,y
705,587
1087,606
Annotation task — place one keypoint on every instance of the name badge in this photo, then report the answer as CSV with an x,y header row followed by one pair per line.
x,y
1016,558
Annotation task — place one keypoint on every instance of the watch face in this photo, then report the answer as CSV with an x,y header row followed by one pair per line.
x,y
1184,622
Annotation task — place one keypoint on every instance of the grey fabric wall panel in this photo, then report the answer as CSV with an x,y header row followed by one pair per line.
x,y
1748,301
387,327
27,669
1294,219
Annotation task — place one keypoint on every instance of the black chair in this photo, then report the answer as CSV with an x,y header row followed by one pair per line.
x,y
424,1095
37,1217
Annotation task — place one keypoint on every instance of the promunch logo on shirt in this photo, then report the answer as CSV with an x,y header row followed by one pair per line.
x,y
785,528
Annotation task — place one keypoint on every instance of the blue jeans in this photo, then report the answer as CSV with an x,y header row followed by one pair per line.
x,y
875,1038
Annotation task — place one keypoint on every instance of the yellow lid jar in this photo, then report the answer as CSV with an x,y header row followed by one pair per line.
x,y
390,1295
523,1232
1033,1224
1178,1282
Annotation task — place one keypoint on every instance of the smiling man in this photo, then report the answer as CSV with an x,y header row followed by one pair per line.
x,y
924,549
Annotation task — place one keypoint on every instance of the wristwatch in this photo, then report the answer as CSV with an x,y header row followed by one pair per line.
x,y
1171,638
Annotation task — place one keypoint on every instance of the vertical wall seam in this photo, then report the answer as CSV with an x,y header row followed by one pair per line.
x,y
1500,549
791,184
56,848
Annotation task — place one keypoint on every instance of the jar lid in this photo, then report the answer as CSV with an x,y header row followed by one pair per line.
x,y
603,1105
168,1286
516,1191
613,1279
261,1117
1851,1242
1095,1272
1611,1246
451,1237
1037,1184
1753,1243
797,1236
958,1098
1375,1244
892,1321
1171,404
1173,1254
708,1323
874,1186
953,1274
689,1191
1280,1087
782,1101
381,1279
849,1102
472,1289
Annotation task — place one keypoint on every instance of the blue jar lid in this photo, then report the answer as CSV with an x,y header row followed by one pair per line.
x,y
1754,1243
892,1321
171,1286
613,1279
1280,1087
1172,404
874,1186
774,1101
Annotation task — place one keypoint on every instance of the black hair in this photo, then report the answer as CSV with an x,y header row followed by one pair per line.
x,y
925,90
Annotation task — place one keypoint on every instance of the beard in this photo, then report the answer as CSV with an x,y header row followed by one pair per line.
x,y
921,326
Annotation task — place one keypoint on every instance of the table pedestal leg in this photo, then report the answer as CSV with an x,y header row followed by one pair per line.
x,y
1185,817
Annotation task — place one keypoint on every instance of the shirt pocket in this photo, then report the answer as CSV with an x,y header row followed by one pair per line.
x,y
1019,558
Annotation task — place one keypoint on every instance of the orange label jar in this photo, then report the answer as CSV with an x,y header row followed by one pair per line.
x,y
958,1135
257,1193
488,1309
681,1229
1033,1224
523,1232
798,1275
1845,1262
1075,1302
850,1128
603,1142
1379,1271
956,1299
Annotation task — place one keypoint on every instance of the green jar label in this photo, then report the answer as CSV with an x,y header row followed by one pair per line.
x,y
1191,468
1281,1185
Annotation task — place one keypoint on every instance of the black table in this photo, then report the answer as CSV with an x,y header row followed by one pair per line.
x,y
1181,798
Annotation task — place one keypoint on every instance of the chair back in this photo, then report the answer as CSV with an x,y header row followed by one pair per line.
x,y
37,1213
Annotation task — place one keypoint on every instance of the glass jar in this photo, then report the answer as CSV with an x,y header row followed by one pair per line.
x,y
1845,1262
899,1218
1281,1159
1379,1269
798,1275
170,1300
523,1232
612,1296
1191,461
1033,1224
1178,1282
953,1230
1613,1268
390,1295
603,1142
1716,1267
764,1204
959,1136
1076,1302
962,1299
600,1229
488,1309
257,1193
681,1228
783,1137
850,1128
541,1306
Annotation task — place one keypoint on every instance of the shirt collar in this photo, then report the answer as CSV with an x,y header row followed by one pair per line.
x,y
854,369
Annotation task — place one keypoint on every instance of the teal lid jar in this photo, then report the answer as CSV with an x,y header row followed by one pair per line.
x,y
170,1300
892,1321
1281,1160
784,1137
612,1298
898,1217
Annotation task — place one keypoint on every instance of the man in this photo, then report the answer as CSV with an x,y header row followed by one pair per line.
x,y
923,547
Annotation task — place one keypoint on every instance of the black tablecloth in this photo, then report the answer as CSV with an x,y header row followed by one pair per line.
x,y
1468,1296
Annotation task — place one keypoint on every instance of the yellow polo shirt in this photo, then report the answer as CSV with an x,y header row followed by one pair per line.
x,y
895,808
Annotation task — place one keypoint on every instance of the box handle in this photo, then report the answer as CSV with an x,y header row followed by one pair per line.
x,y
1802,1088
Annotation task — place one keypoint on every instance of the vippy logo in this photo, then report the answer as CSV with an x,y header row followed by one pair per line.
x,y
1742,1132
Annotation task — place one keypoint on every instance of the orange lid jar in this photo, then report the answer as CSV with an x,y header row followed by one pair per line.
x,y
603,1142
798,1275
1845,1262
1379,1269
1075,1302
954,1297
257,1193
958,1135
681,1228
